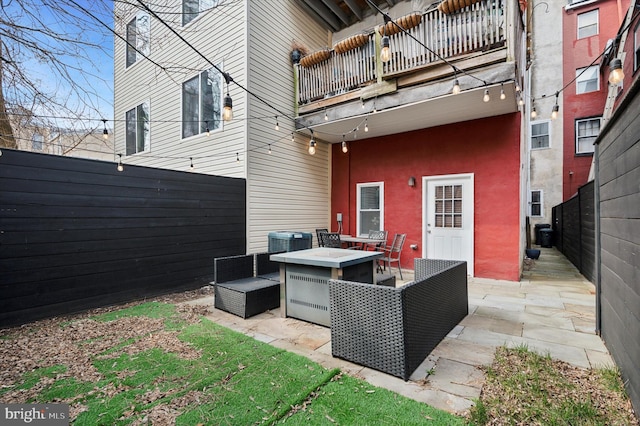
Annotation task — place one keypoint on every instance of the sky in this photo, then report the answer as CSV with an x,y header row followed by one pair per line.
x,y
90,67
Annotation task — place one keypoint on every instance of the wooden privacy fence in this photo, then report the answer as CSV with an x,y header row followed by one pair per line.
x,y
574,229
77,234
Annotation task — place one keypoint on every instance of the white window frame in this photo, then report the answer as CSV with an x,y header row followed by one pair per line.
x,y
140,39
541,203
531,135
215,124
146,129
582,80
578,137
359,210
37,142
203,6
587,16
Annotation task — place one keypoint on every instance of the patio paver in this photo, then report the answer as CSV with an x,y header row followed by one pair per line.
x,y
551,310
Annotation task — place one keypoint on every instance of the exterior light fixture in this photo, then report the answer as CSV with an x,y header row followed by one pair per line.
x,y
456,87
486,97
411,182
385,53
616,75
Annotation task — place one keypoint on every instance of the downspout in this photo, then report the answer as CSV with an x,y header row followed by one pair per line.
x,y
596,200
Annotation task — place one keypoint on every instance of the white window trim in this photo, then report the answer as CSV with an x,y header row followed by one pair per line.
x,y
139,56
201,11
359,186
531,134
148,148
579,72
576,135
541,202
578,27
636,46
222,95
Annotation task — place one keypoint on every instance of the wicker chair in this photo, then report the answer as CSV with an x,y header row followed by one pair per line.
x,y
393,252
394,329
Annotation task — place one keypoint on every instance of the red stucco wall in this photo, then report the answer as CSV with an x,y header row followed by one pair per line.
x,y
488,148
579,53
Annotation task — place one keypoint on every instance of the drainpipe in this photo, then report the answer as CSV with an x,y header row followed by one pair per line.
x,y
596,200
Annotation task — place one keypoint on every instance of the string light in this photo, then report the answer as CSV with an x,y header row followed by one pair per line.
x,y
456,87
191,168
616,75
120,166
345,149
237,157
312,144
105,132
326,117
486,97
293,138
366,126
207,128
521,100
227,110
385,53
556,108
269,149
277,125
534,113
503,96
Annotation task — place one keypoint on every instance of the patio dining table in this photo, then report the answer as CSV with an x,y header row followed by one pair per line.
x,y
361,240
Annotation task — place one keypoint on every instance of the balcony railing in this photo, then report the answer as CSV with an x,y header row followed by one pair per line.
x,y
478,27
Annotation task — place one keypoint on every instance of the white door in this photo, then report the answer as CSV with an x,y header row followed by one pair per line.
x,y
448,218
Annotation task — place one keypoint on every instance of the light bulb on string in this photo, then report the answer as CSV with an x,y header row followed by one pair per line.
x,y
556,108
366,125
277,125
237,157
191,168
385,52
312,144
293,138
616,75
120,165
208,132
269,149
105,132
456,87
534,113
326,117
503,96
345,149
486,97
521,100
517,87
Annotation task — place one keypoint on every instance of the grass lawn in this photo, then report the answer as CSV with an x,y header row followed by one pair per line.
x,y
159,363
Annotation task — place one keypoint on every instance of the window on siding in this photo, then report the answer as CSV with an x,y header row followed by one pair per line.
x,y
535,205
636,47
192,8
587,79
540,134
201,103
138,37
586,134
137,122
370,207
588,24
37,142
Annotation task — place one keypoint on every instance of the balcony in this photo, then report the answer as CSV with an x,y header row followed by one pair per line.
x,y
482,41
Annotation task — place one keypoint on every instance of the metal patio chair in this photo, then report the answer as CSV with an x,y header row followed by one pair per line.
x,y
392,253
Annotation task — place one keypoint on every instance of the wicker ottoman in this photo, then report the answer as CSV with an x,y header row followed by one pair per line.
x,y
247,297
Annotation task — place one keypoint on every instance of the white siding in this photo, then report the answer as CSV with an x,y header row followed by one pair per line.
x,y
289,189
219,35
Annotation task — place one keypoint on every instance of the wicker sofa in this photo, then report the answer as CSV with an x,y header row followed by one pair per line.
x,y
394,329
246,285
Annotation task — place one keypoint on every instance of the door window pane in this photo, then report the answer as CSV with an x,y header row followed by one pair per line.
x,y
448,206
